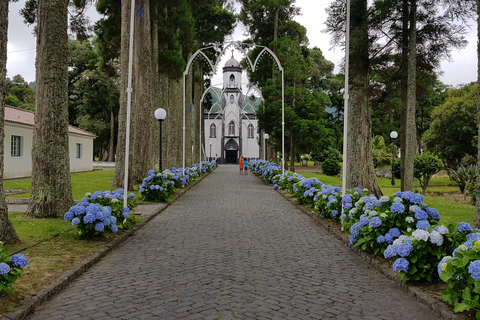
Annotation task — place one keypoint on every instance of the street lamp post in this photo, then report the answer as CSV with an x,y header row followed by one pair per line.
x,y
160,114
265,137
393,135
210,159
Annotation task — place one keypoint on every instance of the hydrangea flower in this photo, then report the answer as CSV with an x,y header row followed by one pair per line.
x,y
404,249
433,213
421,215
397,207
388,238
464,226
114,228
423,225
401,264
126,212
390,251
99,226
334,213
442,265
473,237
474,269
19,260
421,235
4,268
436,238
375,222
409,219
395,232
443,230
381,239
68,216
75,221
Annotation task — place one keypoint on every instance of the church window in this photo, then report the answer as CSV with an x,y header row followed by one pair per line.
x,y
232,79
231,128
232,99
213,131
250,131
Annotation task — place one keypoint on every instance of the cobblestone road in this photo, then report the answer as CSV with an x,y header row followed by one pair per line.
x,y
232,247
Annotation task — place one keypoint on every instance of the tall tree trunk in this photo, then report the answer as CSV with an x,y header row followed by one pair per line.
x,y
118,179
144,125
410,126
360,170
173,126
111,143
51,191
7,232
476,221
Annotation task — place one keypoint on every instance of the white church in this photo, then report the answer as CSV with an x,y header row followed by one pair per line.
x,y
231,123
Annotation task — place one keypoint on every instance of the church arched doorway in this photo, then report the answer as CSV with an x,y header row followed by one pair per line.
x,y
231,151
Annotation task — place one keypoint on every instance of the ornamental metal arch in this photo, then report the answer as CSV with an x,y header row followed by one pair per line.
x,y
242,47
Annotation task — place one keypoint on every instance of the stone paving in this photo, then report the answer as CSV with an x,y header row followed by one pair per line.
x,y
232,248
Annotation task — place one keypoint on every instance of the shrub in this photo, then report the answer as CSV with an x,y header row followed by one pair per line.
x,y
424,167
331,167
10,268
305,190
114,200
331,153
160,186
463,176
91,219
461,272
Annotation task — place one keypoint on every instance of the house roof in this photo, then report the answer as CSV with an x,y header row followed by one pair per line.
x,y
27,117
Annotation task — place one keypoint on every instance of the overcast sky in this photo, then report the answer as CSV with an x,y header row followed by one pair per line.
x,y
21,45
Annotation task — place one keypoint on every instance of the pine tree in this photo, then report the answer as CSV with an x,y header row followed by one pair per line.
x,y
51,192
7,232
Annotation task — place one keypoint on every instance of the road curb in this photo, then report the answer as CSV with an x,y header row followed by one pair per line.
x,y
28,306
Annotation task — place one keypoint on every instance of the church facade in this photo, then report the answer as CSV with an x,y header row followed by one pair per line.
x,y
231,124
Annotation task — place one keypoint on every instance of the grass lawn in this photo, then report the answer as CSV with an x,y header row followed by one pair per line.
x,y
82,182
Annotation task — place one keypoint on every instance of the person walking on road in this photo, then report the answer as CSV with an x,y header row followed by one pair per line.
x,y
245,166
241,164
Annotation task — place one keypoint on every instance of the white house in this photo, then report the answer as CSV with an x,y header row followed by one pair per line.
x,y
18,145
231,124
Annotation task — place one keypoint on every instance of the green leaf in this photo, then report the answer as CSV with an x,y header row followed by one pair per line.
x,y
461,307
467,295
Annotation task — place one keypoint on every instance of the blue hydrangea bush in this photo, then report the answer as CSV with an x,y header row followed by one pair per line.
x,y
286,180
92,219
114,200
306,189
265,169
159,186
381,221
461,271
10,268
418,254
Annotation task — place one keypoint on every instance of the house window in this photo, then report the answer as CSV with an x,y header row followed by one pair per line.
x,y
250,131
79,151
17,146
213,131
231,128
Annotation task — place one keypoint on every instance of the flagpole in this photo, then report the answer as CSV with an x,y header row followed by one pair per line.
x,y
129,103
346,97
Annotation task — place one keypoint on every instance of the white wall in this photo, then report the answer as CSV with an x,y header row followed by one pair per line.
x,y
85,162
19,167
16,167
